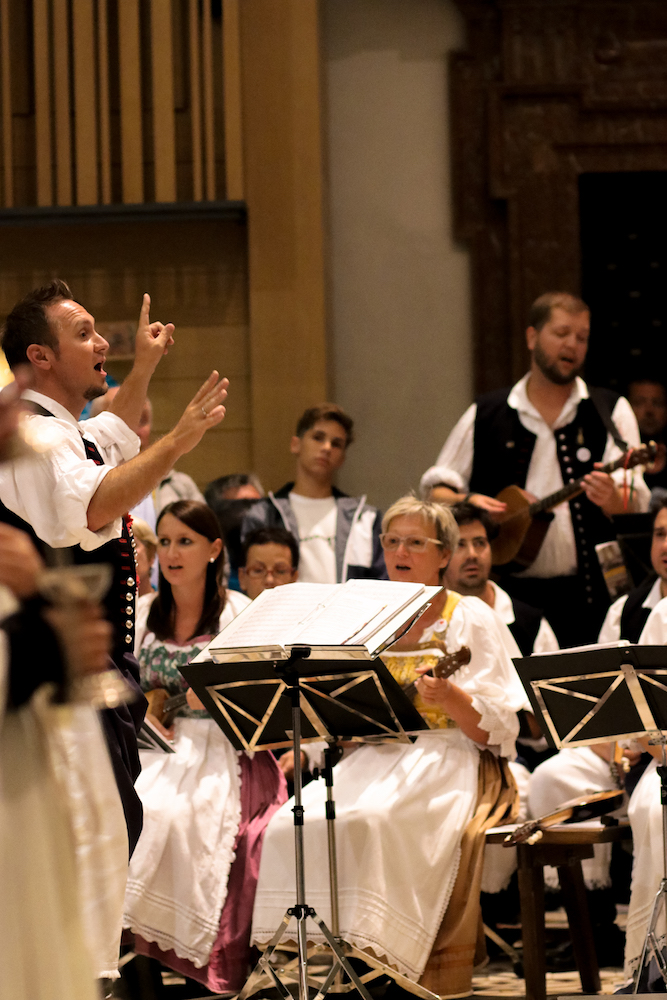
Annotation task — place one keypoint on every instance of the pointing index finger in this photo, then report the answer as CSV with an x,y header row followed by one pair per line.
x,y
144,315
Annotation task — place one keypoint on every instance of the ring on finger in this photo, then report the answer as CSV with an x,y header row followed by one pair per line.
x,y
204,411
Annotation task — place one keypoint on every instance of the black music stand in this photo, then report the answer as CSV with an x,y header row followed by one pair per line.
x,y
265,705
598,694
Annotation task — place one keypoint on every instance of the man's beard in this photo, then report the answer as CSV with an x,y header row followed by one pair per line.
x,y
469,588
95,391
550,371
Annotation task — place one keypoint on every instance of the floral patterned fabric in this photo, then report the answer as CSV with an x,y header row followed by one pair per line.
x,y
160,662
403,668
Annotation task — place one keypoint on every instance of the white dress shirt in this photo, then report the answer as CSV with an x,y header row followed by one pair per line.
x,y
52,490
558,554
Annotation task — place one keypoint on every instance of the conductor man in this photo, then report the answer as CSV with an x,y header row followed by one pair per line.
x,y
75,495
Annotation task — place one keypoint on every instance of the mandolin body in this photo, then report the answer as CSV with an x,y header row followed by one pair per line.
x,y
526,521
521,533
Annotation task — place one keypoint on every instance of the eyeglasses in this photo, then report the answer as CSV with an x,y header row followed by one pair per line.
x,y
260,572
413,543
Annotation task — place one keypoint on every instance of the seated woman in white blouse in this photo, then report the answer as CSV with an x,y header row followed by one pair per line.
x,y
191,880
410,818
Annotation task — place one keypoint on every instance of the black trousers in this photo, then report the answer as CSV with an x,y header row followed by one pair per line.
x,y
575,614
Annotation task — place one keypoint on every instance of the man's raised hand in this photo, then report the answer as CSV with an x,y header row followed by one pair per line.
x,y
205,410
153,340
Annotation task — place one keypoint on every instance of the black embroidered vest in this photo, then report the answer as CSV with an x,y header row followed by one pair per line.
x,y
525,626
504,447
634,616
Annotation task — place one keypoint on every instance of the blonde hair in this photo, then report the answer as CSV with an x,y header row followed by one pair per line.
x,y
148,538
437,516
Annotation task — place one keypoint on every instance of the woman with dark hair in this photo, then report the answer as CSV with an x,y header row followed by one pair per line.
x,y
192,877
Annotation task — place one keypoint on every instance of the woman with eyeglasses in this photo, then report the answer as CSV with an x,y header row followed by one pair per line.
x,y
192,876
411,818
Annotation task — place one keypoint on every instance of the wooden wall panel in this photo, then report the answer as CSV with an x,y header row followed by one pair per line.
x,y
164,141
150,86
85,101
103,90
131,127
209,108
61,92
197,276
283,186
233,110
41,50
195,101
7,123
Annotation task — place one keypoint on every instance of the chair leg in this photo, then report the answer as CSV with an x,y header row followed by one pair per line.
x,y
531,894
581,931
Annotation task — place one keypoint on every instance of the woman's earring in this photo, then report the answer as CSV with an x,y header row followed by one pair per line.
x,y
212,559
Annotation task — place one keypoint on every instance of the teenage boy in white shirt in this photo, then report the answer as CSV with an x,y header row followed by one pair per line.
x,y
339,536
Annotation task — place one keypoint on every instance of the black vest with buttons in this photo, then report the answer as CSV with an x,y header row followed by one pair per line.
x,y
504,447
120,554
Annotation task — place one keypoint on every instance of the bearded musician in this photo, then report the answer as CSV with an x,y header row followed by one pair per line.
x,y
549,430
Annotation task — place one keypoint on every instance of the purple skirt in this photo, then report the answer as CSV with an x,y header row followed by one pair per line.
x,y
263,791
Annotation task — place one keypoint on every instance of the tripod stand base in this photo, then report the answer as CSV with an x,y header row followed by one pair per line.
x,y
264,974
264,968
652,947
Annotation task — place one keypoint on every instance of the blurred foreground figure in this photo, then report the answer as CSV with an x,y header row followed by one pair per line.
x,y
53,942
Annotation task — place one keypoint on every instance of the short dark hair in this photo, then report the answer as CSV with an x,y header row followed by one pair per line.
x,y
201,519
647,378
541,309
326,411
28,323
272,536
466,513
218,488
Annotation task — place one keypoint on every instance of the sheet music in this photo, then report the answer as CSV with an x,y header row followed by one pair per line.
x,y
317,614
340,620
274,617
393,600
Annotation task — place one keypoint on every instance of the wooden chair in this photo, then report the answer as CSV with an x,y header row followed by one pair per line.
x,y
565,847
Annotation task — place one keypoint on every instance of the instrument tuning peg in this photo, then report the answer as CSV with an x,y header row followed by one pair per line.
x,y
533,839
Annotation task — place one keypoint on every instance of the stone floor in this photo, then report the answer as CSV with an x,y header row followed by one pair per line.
x,y
496,979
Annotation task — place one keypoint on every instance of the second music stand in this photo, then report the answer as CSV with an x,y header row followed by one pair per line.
x,y
599,694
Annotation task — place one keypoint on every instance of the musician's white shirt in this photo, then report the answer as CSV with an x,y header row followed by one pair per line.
x,y
611,626
558,555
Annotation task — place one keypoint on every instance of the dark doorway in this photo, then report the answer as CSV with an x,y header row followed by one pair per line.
x,y
624,275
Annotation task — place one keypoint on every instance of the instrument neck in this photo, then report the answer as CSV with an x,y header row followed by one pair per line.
x,y
570,491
